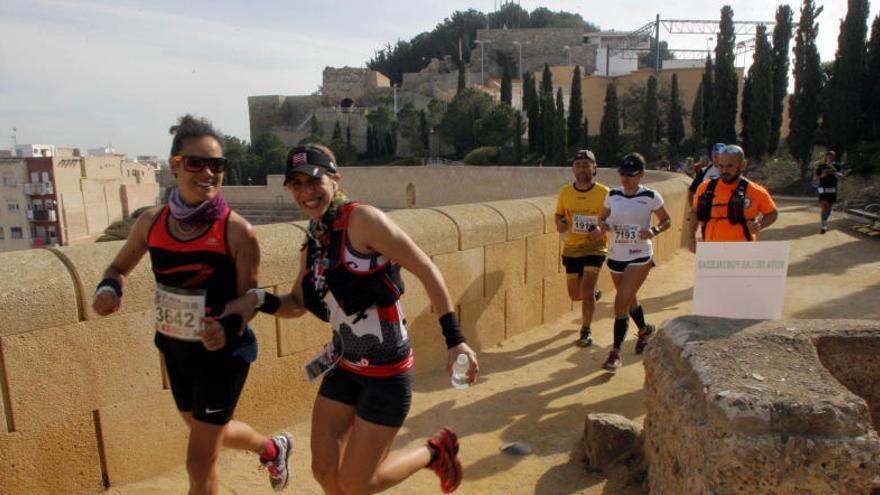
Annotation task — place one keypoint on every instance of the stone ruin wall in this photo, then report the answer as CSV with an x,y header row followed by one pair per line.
x,y
545,46
779,407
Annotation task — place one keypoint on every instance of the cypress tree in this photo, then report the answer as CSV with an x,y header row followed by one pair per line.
x,y
744,110
337,131
517,139
650,115
781,39
708,99
586,135
533,113
547,81
576,133
548,125
506,85
805,104
675,124
609,133
462,82
760,97
872,76
697,117
722,120
559,135
844,110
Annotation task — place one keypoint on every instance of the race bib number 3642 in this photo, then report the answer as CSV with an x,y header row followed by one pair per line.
x,y
178,312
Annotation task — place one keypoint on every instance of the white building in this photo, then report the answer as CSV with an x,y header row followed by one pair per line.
x,y
34,150
614,52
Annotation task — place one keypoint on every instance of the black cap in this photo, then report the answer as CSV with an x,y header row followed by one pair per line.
x,y
631,164
584,155
308,160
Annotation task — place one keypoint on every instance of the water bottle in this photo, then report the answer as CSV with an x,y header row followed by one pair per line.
x,y
459,371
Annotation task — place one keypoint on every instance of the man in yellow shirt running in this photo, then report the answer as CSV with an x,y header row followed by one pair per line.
x,y
577,217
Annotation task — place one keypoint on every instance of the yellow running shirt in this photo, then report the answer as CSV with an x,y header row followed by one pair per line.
x,y
581,210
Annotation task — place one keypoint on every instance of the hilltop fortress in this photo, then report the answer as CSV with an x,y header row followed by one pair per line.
x,y
348,94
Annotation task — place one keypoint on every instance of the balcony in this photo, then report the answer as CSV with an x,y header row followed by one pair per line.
x,y
42,215
38,188
44,241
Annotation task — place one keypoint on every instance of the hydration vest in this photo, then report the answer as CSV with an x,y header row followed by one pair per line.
x,y
736,206
354,291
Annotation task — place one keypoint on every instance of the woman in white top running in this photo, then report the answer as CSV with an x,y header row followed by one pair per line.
x,y
627,220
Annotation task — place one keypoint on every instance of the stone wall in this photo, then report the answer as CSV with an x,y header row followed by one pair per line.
x,y
350,83
94,390
540,46
782,407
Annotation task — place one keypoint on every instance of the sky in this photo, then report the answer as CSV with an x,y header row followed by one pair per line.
x,y
93,73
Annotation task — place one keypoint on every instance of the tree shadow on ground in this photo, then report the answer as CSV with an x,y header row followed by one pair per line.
x,y
525,412
861,305
834,260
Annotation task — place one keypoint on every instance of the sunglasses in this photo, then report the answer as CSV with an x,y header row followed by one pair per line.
x,y
195,164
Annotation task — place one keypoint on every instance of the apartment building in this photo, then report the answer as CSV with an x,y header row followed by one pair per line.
x,y
58,200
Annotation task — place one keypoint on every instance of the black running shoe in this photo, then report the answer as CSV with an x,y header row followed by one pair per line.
x,y
586,339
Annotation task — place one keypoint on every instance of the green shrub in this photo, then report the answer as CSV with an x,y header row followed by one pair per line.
x,y
484,155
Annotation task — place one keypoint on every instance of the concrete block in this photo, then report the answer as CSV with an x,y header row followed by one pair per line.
x,y
36,291
523,219
505,266
265,327
142,437
547,206
279,253
542,256
277,393
429,347
463,273
58,458
65,371
556,300
415,299
523,308
478,225
482,322
88,261
432,231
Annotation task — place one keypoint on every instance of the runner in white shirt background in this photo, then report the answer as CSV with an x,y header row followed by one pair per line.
x,y
627,221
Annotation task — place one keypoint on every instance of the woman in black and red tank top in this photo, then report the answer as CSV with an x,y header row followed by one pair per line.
x,y
350,277
203,256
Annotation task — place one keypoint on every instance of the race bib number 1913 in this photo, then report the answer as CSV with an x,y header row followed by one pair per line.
x,y
178,312
581,224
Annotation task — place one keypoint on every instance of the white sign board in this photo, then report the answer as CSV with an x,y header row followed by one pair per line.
x,y
741,279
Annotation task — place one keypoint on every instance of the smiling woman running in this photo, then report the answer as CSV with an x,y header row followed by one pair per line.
x,y
203,255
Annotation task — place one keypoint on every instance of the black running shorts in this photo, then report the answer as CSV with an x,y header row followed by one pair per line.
x,y
383,401
830,197
206,384
620,266
575,266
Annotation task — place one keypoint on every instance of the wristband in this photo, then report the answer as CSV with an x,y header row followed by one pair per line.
x,y
451,330
231,325
110,283
270,305
655,231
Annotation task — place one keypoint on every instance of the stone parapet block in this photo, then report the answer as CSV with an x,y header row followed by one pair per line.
x,y
547,206
482,322
58,458
298,334
523,308
752,409
36,291
523,218
280,253
432,231
463,272
277,393
478,225
556,301
60,372
505,266
142,437
542,256
89,261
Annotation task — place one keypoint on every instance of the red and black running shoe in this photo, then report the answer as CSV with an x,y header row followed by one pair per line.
x,y
446,464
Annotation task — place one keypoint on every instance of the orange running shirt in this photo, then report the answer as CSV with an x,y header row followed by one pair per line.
x,y
719,228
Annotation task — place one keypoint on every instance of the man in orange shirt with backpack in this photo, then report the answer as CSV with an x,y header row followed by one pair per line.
x,y
730,208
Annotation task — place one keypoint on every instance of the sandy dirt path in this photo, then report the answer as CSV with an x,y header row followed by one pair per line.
x,y
538,387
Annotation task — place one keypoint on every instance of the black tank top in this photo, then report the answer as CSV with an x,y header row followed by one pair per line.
x,y
200,263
